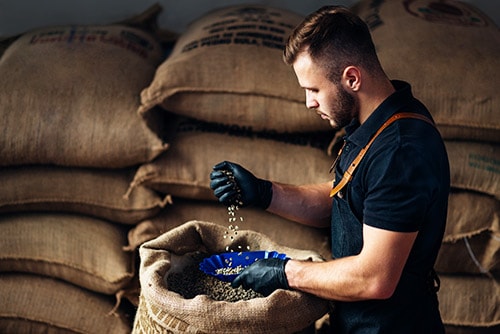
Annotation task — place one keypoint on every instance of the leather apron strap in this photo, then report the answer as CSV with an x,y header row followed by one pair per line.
x,y
350,171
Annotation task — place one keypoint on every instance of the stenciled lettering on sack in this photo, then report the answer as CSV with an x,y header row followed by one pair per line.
x,y
373,19
126,40
253,26
270,39
446,12
486,163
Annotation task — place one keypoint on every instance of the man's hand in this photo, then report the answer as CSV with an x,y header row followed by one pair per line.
x,y
263,276
233,184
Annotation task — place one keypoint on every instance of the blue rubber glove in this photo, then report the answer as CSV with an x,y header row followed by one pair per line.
x,y
233,184
263,276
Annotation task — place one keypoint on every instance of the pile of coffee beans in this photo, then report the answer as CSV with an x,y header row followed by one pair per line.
x,y
191,282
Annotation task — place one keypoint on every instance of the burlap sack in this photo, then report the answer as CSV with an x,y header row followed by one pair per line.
x,y
469,301
78,249
471,240
94,192
35,304
475,166
479,254
227,68
442,48
280,230
161,310
184,170
69,96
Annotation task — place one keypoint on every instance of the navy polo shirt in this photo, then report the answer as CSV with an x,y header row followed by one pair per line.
x,y
402,184
403,181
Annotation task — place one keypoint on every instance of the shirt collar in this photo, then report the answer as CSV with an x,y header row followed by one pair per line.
x,y
361,134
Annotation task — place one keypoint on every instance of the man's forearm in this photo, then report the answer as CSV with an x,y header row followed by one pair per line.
x,y
306,204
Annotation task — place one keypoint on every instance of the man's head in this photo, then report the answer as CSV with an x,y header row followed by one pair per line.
x,y
335,38
329,51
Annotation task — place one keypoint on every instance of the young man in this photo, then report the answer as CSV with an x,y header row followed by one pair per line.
x,y
388,217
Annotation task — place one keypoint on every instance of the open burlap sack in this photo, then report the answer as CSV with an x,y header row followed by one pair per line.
x,y
69,96
471,241
469,301
161,310
475,166
227,68
85,251
36,304
94,192
280,230
184,170
442,48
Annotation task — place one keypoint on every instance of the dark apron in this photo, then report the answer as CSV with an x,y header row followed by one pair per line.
x,y
412,309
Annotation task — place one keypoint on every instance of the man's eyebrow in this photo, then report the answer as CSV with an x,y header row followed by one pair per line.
x,y
304,86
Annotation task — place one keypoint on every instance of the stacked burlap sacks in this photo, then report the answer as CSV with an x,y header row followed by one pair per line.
x,y
70,144
162,310
184,170
227,68
227,95
443,49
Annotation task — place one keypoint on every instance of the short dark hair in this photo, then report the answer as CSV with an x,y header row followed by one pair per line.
x,y
335,38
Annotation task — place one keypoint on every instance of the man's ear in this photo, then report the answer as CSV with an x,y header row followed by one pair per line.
x,y
351,78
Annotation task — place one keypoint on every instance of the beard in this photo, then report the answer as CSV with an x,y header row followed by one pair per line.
x,y
344,109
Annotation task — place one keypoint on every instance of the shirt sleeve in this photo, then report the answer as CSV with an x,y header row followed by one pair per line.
x,y
399,186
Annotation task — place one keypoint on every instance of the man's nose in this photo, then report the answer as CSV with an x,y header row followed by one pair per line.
x,y
311,102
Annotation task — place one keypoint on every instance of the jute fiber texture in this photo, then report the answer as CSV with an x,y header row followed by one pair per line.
x,y
84,251
278,229
471,243
37,304
475,166
161,310
96,192
466,300
69,96
447,50
184,170
227,68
